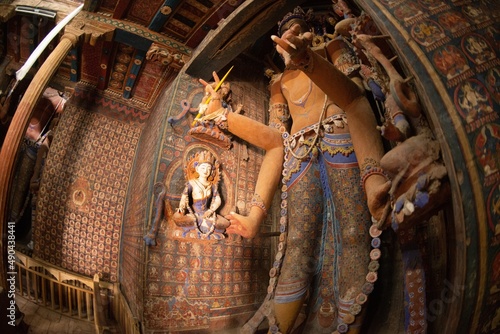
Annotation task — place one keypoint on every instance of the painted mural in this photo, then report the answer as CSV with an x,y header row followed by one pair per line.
x,y
79,221
199,277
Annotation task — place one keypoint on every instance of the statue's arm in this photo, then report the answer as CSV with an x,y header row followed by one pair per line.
x,y
265,137
365,136
214,203
184,202
269,139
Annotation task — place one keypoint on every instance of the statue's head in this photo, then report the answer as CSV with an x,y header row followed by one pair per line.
x,y
297,16
204,164
203,157
204,170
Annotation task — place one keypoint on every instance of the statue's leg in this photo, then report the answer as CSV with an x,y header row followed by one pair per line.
x,y
305,208
287,313
353,262
352,227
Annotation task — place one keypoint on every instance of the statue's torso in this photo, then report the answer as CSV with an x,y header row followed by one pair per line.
x,y
199,191
305,100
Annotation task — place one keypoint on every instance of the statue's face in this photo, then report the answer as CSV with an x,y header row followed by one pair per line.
x,y
204,169
224,90
303,25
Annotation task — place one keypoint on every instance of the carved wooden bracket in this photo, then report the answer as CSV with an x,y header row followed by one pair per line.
x,y
91,31
166,56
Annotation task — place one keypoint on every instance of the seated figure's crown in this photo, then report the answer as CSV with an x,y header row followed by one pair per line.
x,y
204,157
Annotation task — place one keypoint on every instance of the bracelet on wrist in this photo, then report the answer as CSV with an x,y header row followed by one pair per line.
x,y
371,167
258,202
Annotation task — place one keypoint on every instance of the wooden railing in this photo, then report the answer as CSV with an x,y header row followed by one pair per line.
x,y
72,295
123,315
75,296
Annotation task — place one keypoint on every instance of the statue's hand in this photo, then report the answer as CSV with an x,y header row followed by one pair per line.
x,y
293,44
215,102
242,225
377,193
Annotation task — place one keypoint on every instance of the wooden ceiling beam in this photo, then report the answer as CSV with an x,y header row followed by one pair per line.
x,y
235,34
7,12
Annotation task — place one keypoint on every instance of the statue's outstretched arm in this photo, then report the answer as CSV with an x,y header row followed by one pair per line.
x,y
269,139
266,138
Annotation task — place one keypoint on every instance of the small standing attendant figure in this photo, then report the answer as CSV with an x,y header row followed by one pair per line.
x,y
208,125
200,198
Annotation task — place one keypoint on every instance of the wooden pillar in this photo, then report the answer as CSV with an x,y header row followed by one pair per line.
x,y
17,130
